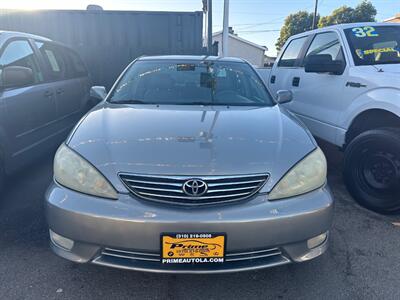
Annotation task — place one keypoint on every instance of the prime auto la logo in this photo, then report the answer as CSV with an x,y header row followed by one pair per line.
x,y
191,246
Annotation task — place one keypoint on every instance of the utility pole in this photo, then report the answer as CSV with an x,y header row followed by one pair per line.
x,y
314,22
225,30
209,27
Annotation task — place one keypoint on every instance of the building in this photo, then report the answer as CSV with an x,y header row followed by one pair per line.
x,y
269,60
239,47
109,40
395,19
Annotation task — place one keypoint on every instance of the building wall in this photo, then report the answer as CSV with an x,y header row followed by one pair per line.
x,y
109,40
237,48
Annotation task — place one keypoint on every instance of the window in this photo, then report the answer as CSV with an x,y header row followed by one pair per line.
x,y
326,43
292,52
191,83
19,53
76,67
373,45
54,59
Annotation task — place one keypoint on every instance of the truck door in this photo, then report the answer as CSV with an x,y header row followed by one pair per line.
x,y
318,96
286,70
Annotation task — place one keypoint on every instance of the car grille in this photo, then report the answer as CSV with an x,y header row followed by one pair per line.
x,y
150,261
169,189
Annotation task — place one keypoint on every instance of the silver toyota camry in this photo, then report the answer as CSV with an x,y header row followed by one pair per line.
x,y
189,165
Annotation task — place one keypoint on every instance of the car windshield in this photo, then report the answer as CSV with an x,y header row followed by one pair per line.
x,y
191,83
372,45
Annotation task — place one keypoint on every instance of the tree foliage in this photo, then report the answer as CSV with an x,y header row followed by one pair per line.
x,y
302,20
294,24
363,12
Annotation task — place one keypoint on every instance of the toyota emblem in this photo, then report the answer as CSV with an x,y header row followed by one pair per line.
x,y
195,187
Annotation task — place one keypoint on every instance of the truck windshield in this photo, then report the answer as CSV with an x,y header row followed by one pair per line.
x,y
191,83
373,45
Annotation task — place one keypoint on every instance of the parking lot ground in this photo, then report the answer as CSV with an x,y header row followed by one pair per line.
x,y
363,261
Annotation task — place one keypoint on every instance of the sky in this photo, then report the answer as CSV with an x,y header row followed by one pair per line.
x,y
256,20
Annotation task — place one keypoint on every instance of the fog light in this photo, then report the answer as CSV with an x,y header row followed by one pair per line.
x,y
316,241
61,241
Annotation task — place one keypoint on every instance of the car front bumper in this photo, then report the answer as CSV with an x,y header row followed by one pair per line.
x,y
125,233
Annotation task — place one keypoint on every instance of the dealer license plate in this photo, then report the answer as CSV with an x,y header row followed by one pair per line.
x,y
192,248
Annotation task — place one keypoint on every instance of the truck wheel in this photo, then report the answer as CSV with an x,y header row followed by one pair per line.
x,y
372,169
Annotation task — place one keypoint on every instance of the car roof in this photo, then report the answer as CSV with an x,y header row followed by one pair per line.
x,y
342,27
190,58
9,34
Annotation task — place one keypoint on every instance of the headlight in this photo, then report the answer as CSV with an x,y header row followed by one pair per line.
x,y
307,175
74,172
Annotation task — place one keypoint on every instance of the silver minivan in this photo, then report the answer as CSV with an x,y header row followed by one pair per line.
x,y
44,89
189,165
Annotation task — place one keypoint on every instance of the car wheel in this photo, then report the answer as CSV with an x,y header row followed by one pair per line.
x,y
372,169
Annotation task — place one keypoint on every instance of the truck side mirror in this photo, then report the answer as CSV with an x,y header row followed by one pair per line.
x,y
98,92
15,76
323,63
284,96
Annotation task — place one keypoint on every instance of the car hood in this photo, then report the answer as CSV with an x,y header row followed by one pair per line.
x,y
190,140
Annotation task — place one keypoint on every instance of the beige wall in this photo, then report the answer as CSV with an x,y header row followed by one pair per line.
x,y
237,48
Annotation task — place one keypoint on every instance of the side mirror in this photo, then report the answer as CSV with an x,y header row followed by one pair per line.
x,y
284,96
14,76
98,92
323,63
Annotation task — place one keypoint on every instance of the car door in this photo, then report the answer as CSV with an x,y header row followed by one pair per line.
x,y
286,71
29,110
317,98
68,91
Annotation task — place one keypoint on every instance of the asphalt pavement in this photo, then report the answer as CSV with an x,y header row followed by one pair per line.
x,y
363,261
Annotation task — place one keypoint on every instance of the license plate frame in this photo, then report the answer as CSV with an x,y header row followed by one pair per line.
x,y
192,248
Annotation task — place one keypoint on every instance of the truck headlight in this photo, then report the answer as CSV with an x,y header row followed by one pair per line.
x,y
307,175
74,172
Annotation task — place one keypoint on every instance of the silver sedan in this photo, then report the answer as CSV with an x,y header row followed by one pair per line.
x,y
189,165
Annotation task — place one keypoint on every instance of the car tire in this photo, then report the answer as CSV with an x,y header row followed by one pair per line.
x,y
372,169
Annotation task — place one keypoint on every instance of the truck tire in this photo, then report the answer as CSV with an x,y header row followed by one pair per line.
x,y
372,169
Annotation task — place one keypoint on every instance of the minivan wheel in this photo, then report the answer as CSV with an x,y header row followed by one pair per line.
x,y
372,169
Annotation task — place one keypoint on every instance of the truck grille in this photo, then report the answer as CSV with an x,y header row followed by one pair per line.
x,y
170,189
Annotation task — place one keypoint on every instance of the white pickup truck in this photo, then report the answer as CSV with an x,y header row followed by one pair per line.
x,y
345,81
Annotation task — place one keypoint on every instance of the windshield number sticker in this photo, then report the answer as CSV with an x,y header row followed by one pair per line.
x,y
367,31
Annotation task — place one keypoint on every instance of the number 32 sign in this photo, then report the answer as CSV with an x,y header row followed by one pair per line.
x,y
367,31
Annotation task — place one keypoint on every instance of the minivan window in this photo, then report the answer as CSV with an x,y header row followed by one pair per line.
x,y
372,45
20,53
326,43
53,56
191,83
292,52
76,67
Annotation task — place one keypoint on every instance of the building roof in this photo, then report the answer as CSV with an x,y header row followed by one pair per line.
x,y
242,40
396,17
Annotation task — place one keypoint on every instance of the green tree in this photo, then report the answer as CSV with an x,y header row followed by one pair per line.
x,y
363,12
294,24
302,20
